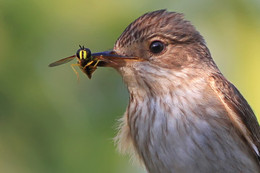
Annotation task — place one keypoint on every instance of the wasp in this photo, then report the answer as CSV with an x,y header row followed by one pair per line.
x,y
85,61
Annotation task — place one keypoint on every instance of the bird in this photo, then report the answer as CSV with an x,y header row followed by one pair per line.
x,y
183,115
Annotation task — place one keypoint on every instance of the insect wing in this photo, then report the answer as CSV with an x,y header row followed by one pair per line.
x,y
62,61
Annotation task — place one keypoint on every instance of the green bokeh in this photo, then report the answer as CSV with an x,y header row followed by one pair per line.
x,y
51,124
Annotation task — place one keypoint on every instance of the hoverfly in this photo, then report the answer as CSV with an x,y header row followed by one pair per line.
x,y
86,62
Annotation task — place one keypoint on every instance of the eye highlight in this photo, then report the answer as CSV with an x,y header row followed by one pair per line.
x,y
156,47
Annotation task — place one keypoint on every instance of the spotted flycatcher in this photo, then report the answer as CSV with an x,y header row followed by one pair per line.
x,y
183,115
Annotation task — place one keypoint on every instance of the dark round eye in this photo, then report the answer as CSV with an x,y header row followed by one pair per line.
x,y
83,53
88,52
78,53
156,47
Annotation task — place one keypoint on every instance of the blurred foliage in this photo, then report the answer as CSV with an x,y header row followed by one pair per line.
x,y
49,123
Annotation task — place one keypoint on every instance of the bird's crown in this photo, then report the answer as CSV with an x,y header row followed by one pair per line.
x,y
159,23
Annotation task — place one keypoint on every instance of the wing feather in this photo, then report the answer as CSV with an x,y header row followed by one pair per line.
x,y
240,113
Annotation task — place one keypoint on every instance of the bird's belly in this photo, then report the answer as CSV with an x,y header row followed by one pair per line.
x,y
179,141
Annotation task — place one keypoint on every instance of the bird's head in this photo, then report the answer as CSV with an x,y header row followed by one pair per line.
x,y
157,47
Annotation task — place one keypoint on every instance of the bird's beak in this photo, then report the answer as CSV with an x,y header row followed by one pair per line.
x,y
112,59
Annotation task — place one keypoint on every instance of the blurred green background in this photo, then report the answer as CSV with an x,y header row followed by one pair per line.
x,y
51,124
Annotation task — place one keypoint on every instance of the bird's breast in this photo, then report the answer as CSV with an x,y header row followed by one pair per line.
x,y
184,130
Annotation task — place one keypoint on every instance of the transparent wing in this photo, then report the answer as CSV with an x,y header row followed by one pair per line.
x,y
62,61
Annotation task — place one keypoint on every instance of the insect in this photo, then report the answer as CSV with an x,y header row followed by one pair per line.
x,y
86,62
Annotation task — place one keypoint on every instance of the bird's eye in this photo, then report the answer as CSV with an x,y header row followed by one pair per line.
x,y
156,47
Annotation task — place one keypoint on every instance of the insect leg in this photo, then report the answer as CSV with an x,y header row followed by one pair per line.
x,y
96,63
88,64
72,66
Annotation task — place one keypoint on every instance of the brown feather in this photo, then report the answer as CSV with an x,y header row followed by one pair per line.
x,y
240,113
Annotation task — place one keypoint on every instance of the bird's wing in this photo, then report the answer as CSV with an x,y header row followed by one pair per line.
x,y
240,113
